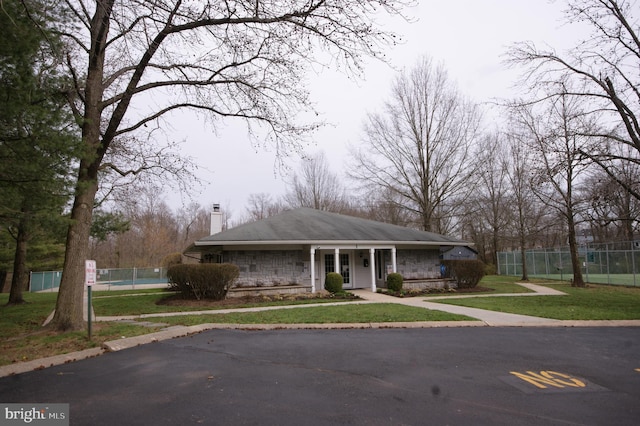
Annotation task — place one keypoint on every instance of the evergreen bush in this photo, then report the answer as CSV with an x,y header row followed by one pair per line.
x,y
394,281
467,273
333,282
202,281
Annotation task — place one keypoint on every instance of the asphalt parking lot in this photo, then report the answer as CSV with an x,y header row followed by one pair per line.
x,y
452,376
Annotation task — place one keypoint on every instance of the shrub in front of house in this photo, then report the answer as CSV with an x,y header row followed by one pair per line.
x,y
490,269
172,259
333,282
202,281
467,273
394,281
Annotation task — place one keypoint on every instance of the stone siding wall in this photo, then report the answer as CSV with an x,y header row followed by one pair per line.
x,y
418,264
436,283
270,268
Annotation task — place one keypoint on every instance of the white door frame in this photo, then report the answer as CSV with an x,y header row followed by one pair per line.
x,y
337,263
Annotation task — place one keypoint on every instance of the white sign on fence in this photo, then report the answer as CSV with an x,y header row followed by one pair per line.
x,y
89,272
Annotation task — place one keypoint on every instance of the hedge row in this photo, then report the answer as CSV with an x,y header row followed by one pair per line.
x,y
202,281
467,273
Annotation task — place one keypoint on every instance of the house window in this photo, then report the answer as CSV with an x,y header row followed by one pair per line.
x,y
344,268
212,258
380,264
329,266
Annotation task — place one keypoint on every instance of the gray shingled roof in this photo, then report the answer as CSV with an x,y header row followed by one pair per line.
x,y
305,225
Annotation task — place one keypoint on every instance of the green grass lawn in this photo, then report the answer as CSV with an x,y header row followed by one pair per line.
x,y
596,302
500,285
23,338
349,313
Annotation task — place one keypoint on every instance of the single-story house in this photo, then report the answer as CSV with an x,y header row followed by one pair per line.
x,y
299,247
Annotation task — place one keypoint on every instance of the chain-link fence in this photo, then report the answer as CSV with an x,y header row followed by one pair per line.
x,y
106,278
610,263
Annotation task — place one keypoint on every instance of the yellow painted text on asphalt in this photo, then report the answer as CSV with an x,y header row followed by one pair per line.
x,y
546,379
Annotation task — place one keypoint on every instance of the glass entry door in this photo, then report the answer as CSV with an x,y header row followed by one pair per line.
x,y
345,267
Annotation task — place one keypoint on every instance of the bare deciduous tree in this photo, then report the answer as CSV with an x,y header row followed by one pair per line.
x,y
491,213
383,205
195,223
554,131
528,213
262,206
133,62
613,212
605,69
419,146
316,186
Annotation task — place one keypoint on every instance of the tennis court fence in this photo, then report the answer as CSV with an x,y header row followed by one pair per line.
x,y
616,263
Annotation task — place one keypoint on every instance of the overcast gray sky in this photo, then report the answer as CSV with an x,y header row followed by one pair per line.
x,y
469,37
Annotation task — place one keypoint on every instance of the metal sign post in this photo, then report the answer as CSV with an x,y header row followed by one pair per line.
x,y
89,281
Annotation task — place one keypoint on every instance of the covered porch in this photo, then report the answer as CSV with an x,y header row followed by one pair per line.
x,y
361,266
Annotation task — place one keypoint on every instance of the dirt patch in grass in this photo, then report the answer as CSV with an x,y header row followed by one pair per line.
x,y
47,342
477,289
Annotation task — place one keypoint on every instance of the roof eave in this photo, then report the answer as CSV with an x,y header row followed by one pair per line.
x,y
203,243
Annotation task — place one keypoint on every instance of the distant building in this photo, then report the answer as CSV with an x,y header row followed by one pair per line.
x,y
458,253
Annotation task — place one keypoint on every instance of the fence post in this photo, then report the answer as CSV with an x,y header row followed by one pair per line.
x,y
633,262
546,263
600,259
606,250
586,261
533,261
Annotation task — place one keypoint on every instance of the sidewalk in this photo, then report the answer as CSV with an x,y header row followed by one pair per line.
x,y
482,318
489,318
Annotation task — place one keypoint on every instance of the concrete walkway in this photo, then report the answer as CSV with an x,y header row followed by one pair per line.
x,y
490,318
481,318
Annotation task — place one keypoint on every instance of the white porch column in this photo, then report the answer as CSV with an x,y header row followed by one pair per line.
x,y
393,260
372,265
313,270
336,261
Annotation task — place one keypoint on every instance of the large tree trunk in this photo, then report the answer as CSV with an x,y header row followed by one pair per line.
x,y
20,279
578,281
68,315
495,242
523,240
523,253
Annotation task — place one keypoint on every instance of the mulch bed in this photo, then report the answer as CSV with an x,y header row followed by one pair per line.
x,y
435,291
178,300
